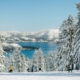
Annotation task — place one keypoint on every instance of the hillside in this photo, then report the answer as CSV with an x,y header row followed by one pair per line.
x,y
41,36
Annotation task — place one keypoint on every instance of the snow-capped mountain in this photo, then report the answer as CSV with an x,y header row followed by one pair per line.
x,y
41,36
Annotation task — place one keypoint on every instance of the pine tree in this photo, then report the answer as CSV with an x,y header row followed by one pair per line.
x,y
24,64
20,63
50,61
76,42
65,47
39,61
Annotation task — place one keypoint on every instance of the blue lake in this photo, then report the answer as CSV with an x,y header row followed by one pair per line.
x,y
45,47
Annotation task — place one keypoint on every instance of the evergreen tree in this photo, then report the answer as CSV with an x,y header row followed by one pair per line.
x,y
77,41
20,63
50,61
24,64
65,46
39,61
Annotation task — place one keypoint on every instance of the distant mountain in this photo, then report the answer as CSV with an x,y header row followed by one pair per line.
x,y
41,36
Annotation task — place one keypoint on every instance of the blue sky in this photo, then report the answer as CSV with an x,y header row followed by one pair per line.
x,y
34,15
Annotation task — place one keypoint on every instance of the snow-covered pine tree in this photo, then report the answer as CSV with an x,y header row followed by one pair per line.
x,y
39,61
50,61
28,64
24,63
65,48
12,59
2,57
76,42
20,63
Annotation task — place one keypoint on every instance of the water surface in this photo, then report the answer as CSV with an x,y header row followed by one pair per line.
x,y
45,46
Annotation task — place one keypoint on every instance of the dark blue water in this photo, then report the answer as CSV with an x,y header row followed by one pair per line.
x,y
45,46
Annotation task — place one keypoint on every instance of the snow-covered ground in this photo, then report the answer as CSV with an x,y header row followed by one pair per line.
x,y
41,76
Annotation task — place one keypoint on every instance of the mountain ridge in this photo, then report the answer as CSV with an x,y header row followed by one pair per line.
x,y
40,36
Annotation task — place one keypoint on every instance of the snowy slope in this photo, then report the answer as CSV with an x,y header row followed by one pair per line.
x,y
40,76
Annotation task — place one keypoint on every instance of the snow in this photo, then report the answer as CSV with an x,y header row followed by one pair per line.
x,y
39,36
11,47
40,76
12,44
66,55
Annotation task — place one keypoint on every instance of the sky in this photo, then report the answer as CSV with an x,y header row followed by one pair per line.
x,y
35,15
